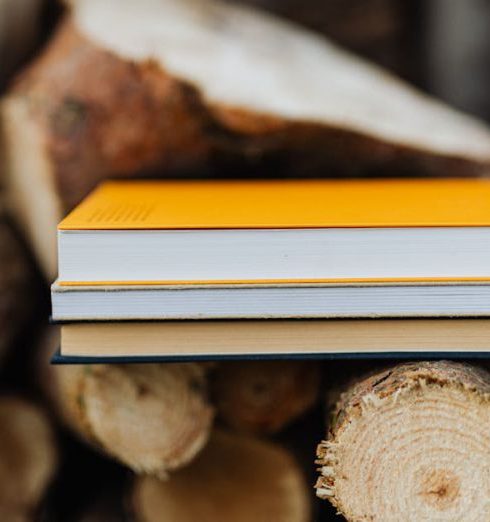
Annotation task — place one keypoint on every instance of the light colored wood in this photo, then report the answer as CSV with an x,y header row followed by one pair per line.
x,y
153,418
32,194
410,443
235,479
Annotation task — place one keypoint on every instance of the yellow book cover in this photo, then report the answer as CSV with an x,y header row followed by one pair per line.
x,y
277,232
286,204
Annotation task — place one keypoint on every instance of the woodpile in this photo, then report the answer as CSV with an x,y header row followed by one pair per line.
x,y
410,443
216,88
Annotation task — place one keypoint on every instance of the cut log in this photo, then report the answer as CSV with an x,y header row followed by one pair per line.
x,y
235,479
154,418
262,397
411,443
28,458
15,286
166,87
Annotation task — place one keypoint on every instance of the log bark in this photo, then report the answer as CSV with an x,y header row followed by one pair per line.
x,y
153,418
210,89
16,288
28,458
235,479
263,397
410,443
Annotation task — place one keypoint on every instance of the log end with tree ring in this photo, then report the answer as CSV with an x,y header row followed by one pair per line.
x,y
411,443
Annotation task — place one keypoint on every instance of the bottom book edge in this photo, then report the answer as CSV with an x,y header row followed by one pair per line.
x,y
59,358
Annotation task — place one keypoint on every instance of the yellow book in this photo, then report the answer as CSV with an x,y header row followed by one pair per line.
x,y
275,232
283,204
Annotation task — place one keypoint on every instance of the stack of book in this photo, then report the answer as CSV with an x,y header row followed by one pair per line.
x,y
157,270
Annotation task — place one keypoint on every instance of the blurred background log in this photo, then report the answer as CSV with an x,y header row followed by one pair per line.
x,y
28,458
262,397
153,418
235,479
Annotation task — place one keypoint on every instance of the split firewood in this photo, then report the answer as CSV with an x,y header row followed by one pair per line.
x,y
166,87
28,458
16,289
262,397
411,443
235,478
152,417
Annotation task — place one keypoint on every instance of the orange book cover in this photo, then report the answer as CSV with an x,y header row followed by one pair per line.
x,y
283,204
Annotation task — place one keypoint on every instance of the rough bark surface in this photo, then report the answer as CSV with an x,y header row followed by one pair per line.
x,y
235,478
153,418
264,397
28,458
410,443
120,119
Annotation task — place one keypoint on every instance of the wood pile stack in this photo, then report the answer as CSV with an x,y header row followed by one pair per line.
x,y
181,88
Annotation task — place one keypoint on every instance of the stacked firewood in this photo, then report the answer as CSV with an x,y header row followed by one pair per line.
x,y
116,92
